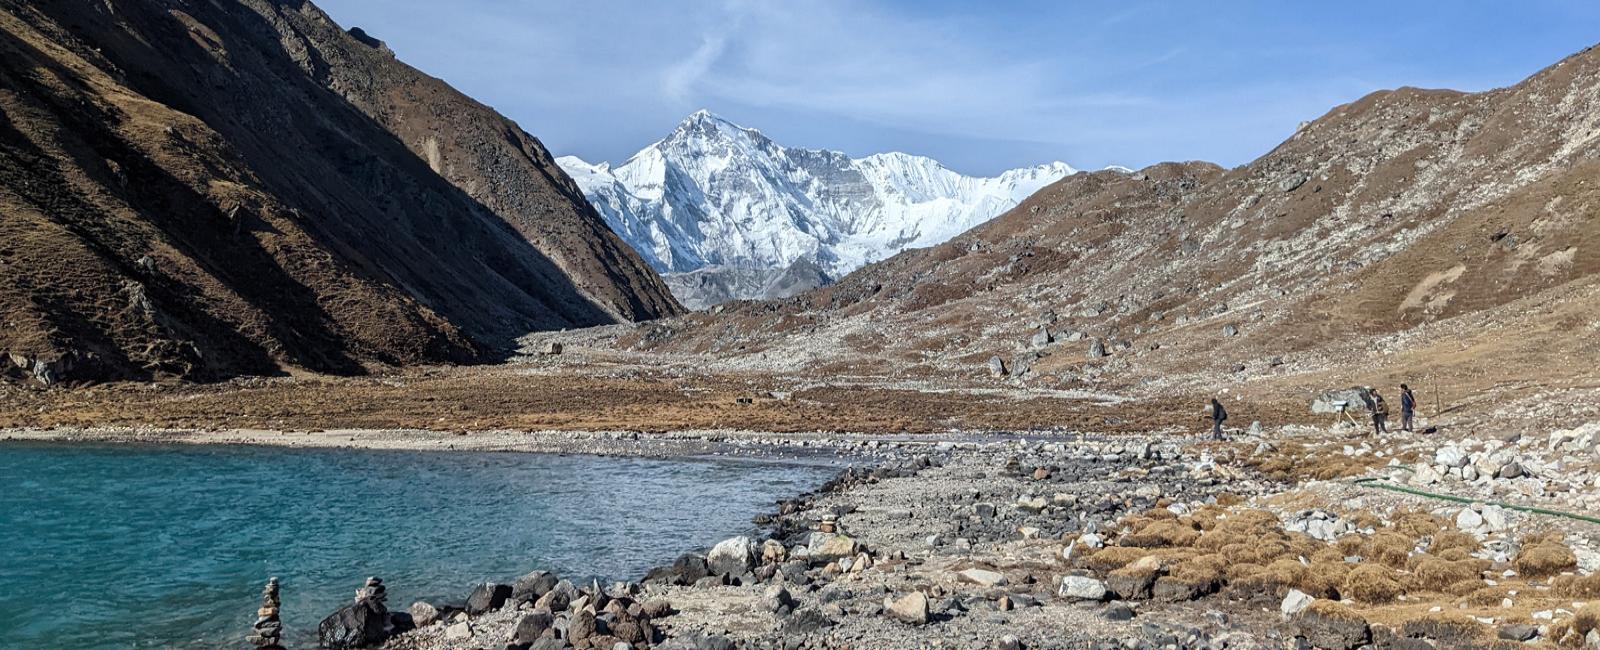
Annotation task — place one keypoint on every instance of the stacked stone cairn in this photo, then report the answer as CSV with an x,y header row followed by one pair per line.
x,y
267,633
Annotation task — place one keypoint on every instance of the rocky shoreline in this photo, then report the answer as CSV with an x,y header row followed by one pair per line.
x,y
1050,540
937,543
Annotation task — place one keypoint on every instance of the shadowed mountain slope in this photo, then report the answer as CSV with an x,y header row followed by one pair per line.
x,y
204,189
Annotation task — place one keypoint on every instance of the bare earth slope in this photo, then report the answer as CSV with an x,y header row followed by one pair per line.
x,y
203,189
1388,228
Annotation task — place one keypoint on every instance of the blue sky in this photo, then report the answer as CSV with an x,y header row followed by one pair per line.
x,y
980,86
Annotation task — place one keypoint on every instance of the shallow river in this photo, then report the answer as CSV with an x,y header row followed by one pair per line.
x,y
168,546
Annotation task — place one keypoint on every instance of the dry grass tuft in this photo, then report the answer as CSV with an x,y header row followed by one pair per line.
x,y
1452,540
1372,584
1389,548
1487,596
1201,569
1111,558
1544,558
1160,533
1577,586
1417,524
1434,574
1332,610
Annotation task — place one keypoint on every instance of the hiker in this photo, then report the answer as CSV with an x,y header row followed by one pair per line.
x,y
1218,415
1380,413
1408,407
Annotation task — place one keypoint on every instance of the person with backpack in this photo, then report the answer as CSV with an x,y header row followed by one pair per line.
x,y
1380,413
1408,407
1218,416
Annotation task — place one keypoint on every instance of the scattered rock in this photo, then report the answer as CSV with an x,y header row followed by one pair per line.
x,y
911,608
1081,588
487,597
734,556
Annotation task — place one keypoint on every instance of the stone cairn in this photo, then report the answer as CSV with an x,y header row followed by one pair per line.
x,y
374,591
267,633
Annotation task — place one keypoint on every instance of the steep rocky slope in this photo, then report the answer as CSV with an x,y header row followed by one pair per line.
x,y
204,189
1460,225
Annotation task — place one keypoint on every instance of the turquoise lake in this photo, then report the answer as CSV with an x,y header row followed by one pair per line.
x,y
118,546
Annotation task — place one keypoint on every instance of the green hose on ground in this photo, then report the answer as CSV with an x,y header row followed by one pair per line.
x,y
1373,482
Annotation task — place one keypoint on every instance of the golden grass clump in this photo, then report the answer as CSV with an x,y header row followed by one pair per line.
x,y
1327,554
1577,586
1417,524
1332,610
1226,499
1487,596
1465,587
1389,548
1201,569
1434,574
1160,513
1161,532
1111,558
1586,619
1453,539
1261,552
1350,545
1219,538
1544,559
1371,584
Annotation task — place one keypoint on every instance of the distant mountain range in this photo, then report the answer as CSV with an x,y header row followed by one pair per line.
x,y
716,198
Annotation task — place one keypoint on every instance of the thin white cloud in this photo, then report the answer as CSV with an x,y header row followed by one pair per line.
x,y
679,79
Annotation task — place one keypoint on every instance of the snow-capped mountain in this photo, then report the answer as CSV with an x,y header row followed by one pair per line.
x,y
715,194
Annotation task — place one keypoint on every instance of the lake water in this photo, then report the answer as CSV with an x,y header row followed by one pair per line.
x,y
105,546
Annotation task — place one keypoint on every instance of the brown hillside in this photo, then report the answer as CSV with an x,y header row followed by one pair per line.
x,y
1389,226
204,189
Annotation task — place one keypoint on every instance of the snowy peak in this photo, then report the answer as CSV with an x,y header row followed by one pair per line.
x,y
713,193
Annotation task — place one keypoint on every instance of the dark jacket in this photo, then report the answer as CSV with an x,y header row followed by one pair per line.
x,y
1218,413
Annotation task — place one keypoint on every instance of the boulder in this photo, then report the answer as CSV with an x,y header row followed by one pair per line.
x,y
981,577
362,624
582,625
734,556
911,608
533,626
776,599
1294,603
1007,642
997,367
686,570
487,597
806,620
830,547
1450,456
424,613
1354,400
1042,338
1097,349
773,552
1081,588
1292,182
558,598
530,587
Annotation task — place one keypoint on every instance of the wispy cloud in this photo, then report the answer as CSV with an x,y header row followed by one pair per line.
x,y
679,79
